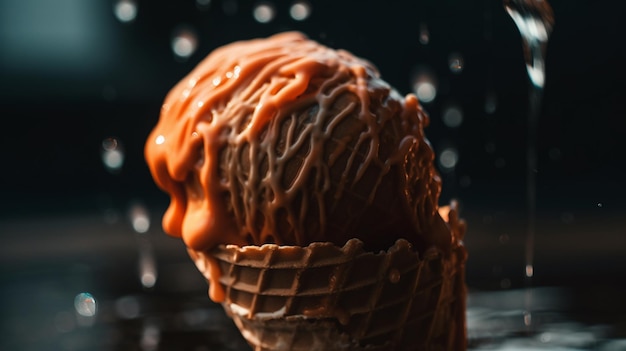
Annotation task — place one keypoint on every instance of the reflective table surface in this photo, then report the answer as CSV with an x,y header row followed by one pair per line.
x,y
94,282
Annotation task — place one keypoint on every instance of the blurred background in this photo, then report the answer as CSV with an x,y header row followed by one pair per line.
x,y
85,265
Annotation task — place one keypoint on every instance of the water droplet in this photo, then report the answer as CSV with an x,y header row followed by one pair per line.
x,y
112,154
600,205
125,10
448,158
147,264
184,43
139,218
529,270
452,116
85,304
394,275
545,337
424,85
150,337
536,72
527,318
456,63
300,10
534,20
426,91
264,12
424,37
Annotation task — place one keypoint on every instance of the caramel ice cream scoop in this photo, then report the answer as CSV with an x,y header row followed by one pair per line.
x,y
285,141
281,146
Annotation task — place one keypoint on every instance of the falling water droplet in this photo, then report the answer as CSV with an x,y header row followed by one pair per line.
x,y
300,10
264,12
184,43
491,102
424,85
150,337
139,218
456,63
424,36
527,318
448,158
529,270
125,10
85,304
147,263
452,116
112,154
534,20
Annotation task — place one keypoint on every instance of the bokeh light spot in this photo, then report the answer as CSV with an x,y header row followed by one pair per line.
x,y
184,43
112,154
452,116
125,10
264,12
448,158
300,10
424,85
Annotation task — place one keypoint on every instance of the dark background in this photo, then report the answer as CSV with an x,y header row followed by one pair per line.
x,y
72,75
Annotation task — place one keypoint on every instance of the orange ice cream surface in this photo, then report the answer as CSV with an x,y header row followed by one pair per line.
x,y
282,140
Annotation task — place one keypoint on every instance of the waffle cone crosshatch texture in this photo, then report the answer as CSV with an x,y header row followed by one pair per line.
x,y
323,297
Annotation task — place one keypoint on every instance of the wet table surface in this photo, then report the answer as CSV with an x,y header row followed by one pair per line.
x,y
90,282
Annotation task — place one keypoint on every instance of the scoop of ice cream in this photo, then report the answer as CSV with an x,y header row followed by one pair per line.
x,y
286,141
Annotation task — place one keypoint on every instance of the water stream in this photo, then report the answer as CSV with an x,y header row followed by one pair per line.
x,y
534,20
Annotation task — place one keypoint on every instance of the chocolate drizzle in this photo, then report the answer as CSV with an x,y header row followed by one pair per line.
x,y
285,141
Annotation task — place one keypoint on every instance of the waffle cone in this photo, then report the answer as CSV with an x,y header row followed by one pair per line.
x,y
323,297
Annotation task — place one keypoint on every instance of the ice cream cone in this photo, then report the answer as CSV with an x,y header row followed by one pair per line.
x,y
323,297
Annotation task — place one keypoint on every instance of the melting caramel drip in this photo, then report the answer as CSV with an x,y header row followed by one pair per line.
x,y
241,168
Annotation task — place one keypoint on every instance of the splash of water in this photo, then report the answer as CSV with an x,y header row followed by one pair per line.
x,y
534,20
